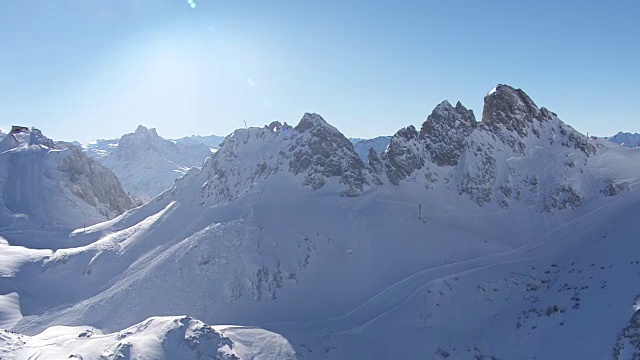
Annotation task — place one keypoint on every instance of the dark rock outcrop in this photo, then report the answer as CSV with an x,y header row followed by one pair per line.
x,y
446,131
323,153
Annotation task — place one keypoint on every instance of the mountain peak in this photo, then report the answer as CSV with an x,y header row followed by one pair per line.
x,y
511,108
148,164
447,129
311,120
627,139
444,105
143,130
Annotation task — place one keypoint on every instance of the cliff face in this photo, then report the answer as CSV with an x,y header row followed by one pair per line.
x,y
47,186
94,183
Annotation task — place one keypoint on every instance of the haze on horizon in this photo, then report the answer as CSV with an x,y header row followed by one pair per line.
x,y
83,70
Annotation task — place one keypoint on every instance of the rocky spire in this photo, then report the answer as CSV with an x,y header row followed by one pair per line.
x,y
446,130
321,151
401,157
512,109
374,161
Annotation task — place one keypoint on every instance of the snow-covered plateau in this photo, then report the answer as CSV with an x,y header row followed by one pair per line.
x,y
513,237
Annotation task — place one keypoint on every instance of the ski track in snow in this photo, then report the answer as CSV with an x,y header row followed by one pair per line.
x,y
396,295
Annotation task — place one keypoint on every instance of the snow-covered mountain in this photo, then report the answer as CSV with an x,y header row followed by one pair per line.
x,y
362,146
147,164
631,140
512,237
212,141
103,147
46,186
100,148
155,338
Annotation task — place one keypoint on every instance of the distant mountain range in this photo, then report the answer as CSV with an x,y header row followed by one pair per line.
x,y
631,140
148,164
513,236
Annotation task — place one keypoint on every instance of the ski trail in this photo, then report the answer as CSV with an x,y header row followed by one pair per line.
x,y
424,278
396,295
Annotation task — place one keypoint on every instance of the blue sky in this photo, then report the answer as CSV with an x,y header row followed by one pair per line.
x,y
81,70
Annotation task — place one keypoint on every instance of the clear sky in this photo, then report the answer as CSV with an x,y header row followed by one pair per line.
x,y
86,69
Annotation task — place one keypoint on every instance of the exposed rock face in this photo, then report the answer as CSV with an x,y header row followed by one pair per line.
x,y
614,188
278,126
374,162
469,156
443,135
404,154
628,340
313,151
631,140
446,131
509,112
495,161
94,183
322,151
47,186
512,109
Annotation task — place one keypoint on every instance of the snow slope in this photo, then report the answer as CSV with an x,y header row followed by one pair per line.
x,y
513,237
147,164
45,187
177,337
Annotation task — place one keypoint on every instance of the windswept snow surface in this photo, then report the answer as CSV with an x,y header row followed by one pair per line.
x,y
514,238
155,338
9,310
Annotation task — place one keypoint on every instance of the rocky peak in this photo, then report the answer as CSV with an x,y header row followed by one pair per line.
x,y
627,139
403,154
374,161
278,126
315,152
407,133
446,130
142,137
310,121
442,140
513,109
148,164
141,130
321,151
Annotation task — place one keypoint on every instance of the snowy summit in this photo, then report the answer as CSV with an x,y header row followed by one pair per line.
x,y
512,237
